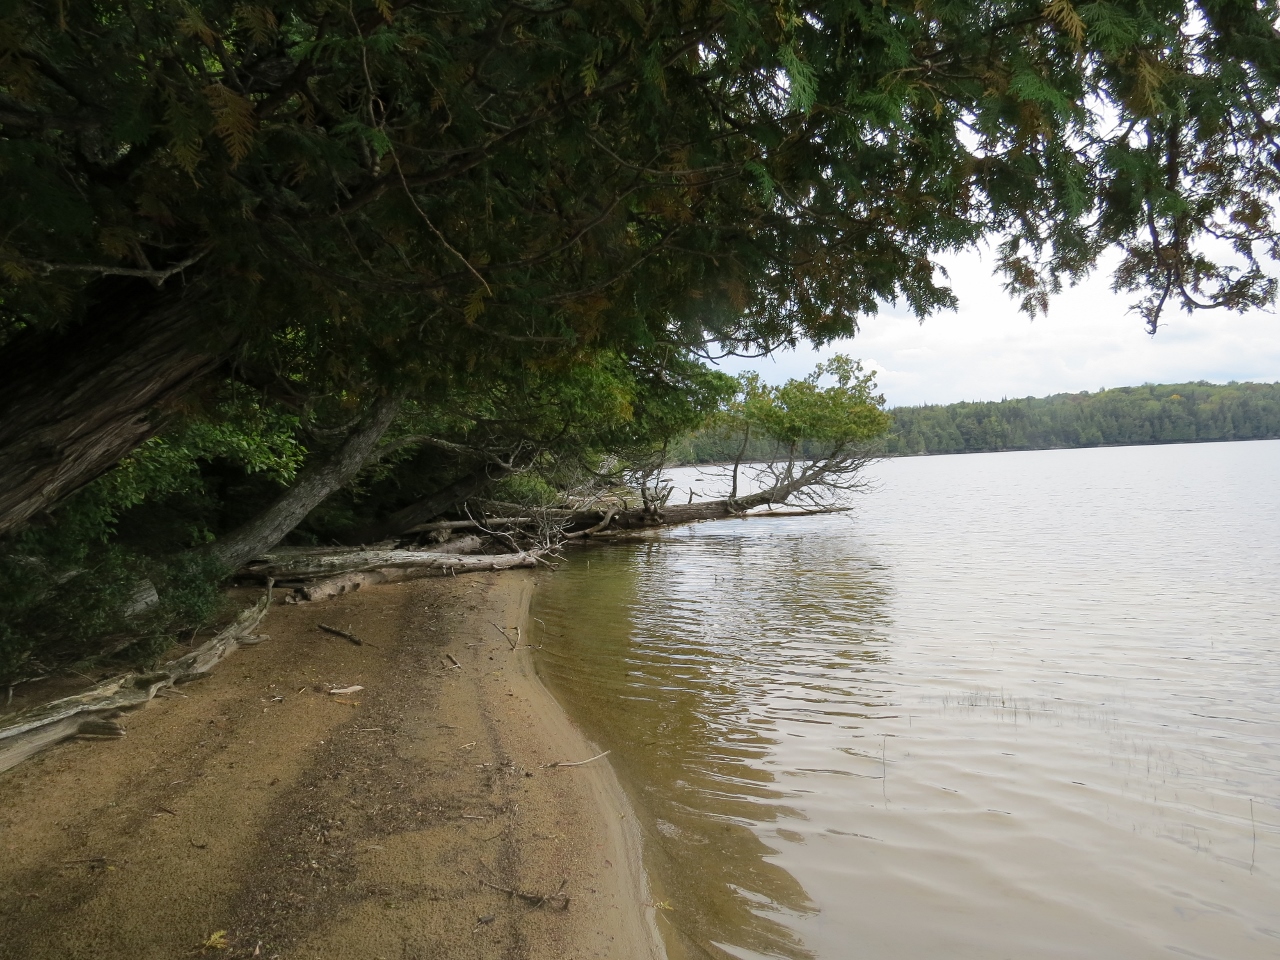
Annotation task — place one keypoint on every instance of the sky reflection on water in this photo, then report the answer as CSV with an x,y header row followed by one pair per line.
x,y
1021,705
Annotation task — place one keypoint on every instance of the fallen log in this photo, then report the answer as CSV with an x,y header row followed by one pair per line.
x,y
596,527
614,522
31,731
276,566
332,587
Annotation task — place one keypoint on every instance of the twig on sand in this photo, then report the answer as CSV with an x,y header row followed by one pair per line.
x,y
505,636
575,763
454,660
559,899
342,633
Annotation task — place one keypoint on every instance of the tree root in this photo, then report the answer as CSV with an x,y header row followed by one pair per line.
x,y
90,713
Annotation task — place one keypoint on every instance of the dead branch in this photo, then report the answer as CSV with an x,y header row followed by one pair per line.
x,y
450,525
575,763
504,635
559,899
341,633
597,528
157,277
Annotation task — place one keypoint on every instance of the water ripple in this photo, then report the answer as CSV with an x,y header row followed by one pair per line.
x,y
1015,706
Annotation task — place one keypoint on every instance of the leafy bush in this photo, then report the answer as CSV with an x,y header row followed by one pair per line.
x,y
112,572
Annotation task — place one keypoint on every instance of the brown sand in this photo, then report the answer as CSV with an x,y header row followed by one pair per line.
x,y
307,825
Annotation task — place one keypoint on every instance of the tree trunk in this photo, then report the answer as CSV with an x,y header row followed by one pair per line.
x,y
74,402
737,461
671,515
313,485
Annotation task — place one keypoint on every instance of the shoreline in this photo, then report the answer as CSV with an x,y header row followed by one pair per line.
x,y
256,814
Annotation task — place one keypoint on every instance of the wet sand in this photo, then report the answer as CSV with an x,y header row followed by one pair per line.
x,y
256,814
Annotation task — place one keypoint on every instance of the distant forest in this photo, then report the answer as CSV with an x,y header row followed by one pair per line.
x,y
1153,413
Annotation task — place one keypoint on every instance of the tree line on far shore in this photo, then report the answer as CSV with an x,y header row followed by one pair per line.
x,y
1151,413
1121,416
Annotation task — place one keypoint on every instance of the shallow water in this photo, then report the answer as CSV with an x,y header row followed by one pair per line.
x,y
1020,705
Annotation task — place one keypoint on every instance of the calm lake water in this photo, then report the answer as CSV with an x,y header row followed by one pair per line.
x,y
1016,705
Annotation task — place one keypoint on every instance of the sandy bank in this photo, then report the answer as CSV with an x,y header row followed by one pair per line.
x,y
310,825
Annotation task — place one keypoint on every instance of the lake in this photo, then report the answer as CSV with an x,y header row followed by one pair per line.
x,y
1013,705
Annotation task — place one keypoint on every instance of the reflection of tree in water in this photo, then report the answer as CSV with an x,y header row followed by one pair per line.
x,y
681,656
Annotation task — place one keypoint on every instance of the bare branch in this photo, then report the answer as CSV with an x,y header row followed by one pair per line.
x,y
157,277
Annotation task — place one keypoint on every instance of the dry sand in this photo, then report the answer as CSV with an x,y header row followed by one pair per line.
x,y
307,825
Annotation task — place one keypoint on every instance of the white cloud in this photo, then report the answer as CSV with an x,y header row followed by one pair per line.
x,y
988,350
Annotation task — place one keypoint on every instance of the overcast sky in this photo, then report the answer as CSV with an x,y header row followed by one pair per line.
x,y
987,350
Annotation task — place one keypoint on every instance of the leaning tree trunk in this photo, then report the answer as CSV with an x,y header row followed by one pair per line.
x,y
313,485
74,402
678,513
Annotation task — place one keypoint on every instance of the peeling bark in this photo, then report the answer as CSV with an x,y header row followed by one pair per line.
x,y
74,402
314,565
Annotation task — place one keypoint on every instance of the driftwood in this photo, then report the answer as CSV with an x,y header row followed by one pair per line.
x,y
611,515
614,521
329,587
343,583
576,763
31,731
677,513
336,586
290,566
585,522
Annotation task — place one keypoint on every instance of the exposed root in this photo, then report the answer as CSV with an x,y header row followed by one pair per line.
x,y
90,713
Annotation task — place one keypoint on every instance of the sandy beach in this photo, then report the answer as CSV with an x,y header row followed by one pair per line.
x,y
256,814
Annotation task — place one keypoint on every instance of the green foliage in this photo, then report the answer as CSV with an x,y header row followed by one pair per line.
x,y
797,420
67,583
377,191
50,618
839,417
1165,413
529,489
